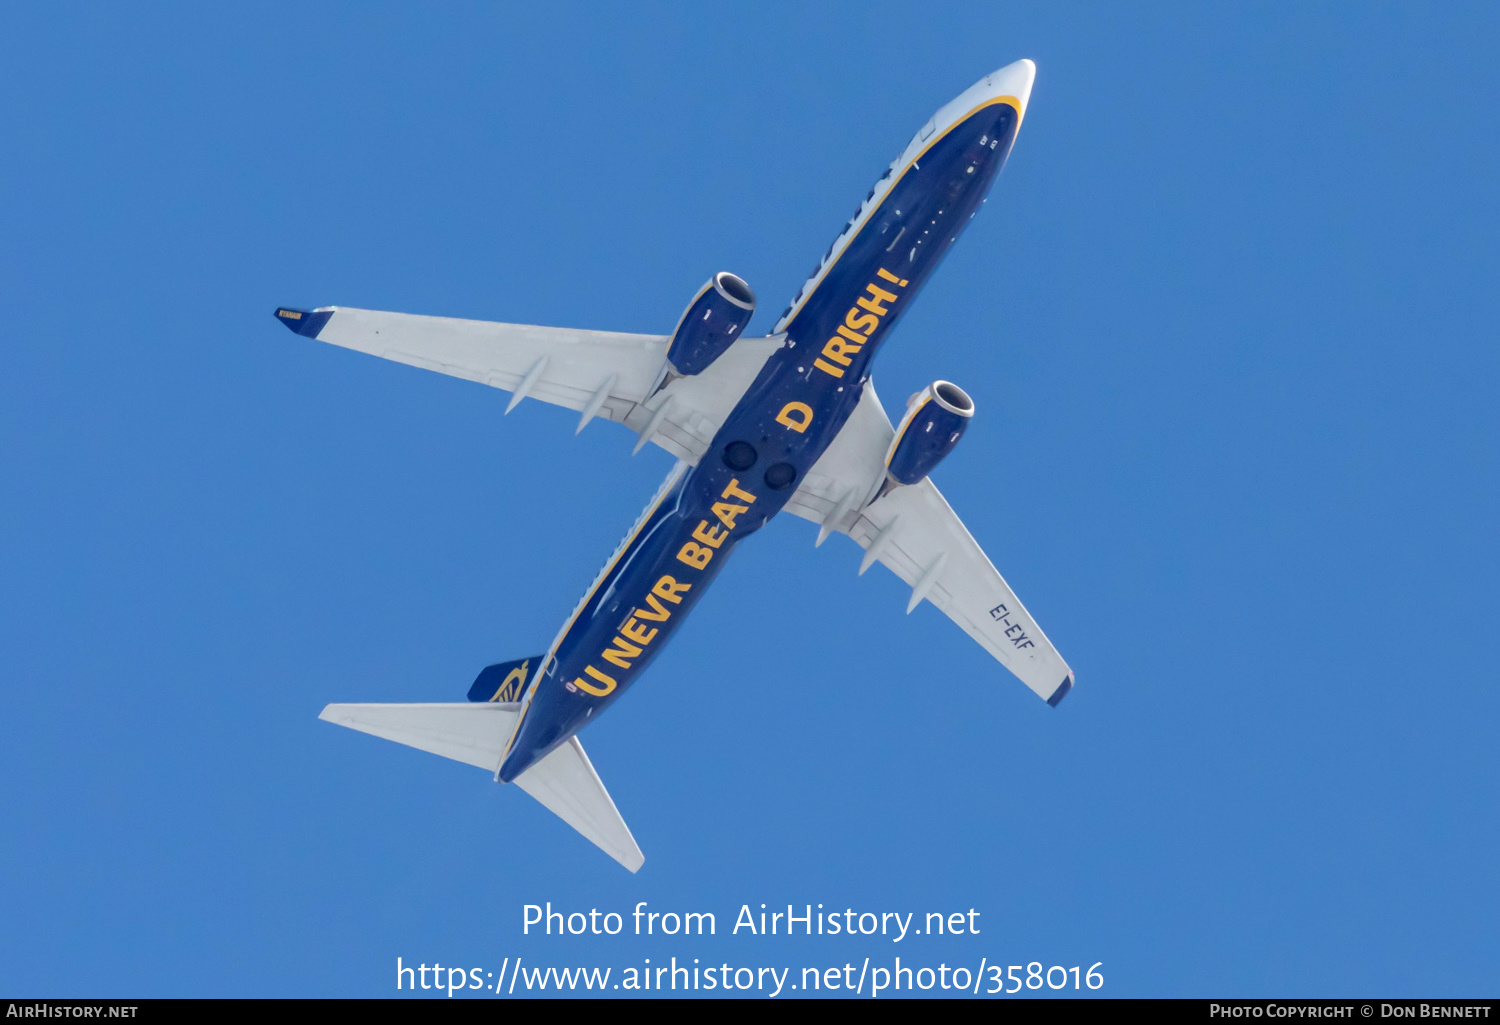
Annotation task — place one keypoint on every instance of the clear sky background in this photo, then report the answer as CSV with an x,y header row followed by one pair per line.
x,y
1230,322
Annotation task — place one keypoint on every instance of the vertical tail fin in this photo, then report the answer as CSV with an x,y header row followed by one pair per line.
x,y
504,681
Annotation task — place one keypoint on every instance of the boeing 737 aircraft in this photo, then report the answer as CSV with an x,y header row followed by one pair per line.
x,y
789,421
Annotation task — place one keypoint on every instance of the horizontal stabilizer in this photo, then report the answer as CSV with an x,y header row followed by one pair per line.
x,y
567,785
476,733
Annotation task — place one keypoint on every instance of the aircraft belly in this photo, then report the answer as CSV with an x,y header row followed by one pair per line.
x,y
639,604
807,390
787,418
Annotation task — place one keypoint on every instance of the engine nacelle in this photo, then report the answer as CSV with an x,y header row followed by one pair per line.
x,y
935,419
714,319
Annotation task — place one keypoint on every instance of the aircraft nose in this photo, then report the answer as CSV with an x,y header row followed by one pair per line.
x,y
1013,80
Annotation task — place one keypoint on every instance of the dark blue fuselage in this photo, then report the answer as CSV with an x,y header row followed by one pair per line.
x,y
787,418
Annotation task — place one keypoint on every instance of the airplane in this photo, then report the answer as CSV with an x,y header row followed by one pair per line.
x,y
789,421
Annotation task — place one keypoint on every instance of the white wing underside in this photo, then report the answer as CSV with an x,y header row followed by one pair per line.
x,y
608,372
912,530
916,534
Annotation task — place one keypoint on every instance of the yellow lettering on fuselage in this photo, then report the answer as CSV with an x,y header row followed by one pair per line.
x,y
695,555
632,636
795,416
839,350
622,654
668,589
862,323
659,613
733,490
881,295
862,320
709,534
607,683
640,634
727,511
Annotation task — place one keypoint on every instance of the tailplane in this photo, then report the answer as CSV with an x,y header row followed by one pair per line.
x,y
476,732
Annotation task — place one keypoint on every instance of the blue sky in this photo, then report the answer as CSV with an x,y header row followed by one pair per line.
x,y
1229,321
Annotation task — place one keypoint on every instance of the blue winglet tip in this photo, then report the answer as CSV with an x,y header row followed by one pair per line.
x,y
1061,692
304,322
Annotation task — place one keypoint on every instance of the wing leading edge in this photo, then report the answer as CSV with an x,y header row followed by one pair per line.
x,y
606,374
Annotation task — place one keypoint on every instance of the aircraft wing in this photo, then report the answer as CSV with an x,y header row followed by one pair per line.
x,y
915,533
598,373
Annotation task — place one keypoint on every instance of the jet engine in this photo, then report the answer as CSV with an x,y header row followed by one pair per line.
x,y
935,419
714,319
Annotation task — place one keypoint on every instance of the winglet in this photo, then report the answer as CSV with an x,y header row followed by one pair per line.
x,y
304,322
1061,692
